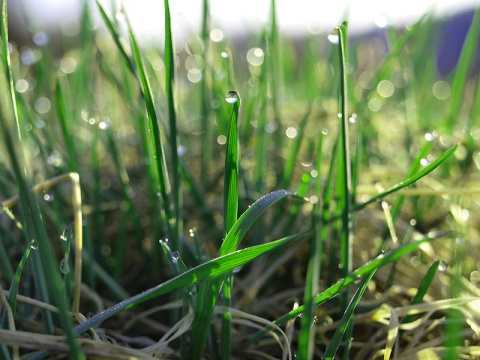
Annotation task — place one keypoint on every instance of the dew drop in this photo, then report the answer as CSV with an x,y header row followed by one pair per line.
x,y
48,197
191,232
176,255
232,96
333,37
63,236
442,265
34,245
224,54
64,267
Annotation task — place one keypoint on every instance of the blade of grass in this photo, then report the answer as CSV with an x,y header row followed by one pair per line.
x,y
210,270
158,151
211,289
172,115
344,177
230,209
347,319
411,180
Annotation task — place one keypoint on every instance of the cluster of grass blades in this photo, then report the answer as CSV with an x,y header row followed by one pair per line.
x,y
311,253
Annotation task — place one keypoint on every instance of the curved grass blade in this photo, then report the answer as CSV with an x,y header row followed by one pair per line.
x,y
336,288
347,319
230,204
209,270
425,171
211,289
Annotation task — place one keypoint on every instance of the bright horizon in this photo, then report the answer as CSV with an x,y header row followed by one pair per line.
x,y
299,16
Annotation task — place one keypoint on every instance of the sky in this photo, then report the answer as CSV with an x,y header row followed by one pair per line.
x,y
237,16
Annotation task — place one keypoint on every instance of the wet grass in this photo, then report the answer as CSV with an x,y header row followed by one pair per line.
x,y
239,203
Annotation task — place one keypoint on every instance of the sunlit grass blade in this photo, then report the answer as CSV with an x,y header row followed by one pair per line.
x,y
174,142
230,208
210,270
411,180
157,145
336,288
344,177
347,319
462,70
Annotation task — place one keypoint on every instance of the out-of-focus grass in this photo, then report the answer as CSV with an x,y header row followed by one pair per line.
x,y
169,164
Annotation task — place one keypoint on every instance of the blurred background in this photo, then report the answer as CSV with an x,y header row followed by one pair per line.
x,y
39,21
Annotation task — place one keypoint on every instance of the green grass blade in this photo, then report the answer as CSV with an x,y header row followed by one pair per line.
x,y
158,151
347,319
411,180
209,270
172,116
230,204
462,69
344,176
205,306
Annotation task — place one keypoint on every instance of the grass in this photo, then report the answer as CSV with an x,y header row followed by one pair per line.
x,y
230,203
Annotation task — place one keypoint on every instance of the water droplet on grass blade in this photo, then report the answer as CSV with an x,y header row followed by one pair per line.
x,y
64,267
175,255
442,265
333,37
232,97
63,236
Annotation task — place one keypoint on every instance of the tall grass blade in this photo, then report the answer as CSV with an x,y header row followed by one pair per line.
x,y
155,136
172,116
347,319
344,176
230,209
